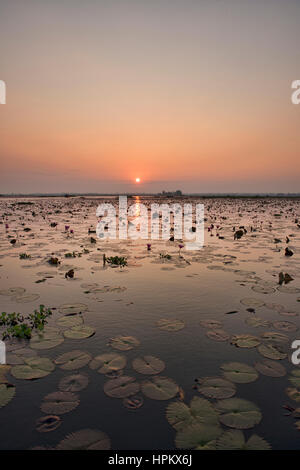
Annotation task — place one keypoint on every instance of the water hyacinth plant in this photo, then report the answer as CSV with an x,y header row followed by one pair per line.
x,y
117,260
20,326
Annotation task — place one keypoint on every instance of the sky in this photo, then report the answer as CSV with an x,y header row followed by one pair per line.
x,y
184,94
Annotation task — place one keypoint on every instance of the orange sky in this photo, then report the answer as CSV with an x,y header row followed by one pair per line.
x,y
192,95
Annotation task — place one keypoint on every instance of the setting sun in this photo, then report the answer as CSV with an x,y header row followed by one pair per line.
x,y
137,180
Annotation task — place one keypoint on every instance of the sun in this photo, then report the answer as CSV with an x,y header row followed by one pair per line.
x,y
137,180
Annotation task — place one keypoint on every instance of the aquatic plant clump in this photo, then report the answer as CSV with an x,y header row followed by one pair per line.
x,y
21,326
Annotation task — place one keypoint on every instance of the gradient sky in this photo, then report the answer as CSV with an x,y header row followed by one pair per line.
x,y
185,94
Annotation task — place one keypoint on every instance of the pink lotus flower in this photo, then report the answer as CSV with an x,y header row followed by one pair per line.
x,y
67,227
148,246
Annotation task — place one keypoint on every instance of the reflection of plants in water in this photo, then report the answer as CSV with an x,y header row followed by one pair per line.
x,y
165,256
18,326
24,256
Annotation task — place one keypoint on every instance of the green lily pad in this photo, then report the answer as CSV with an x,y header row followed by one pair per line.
x,y
275,336
86,439
12,291
234,439
4,369
272,351
216,387
170,324
293,394
217,335
245,341
46,339
263,289
238,413
239,373
73,309
211,324
160,388
285,326
180,415
34,368
68,321
295,378
59,403
253,303
7,392
48,423
148,365
257,322
288,289
124,343
73,360
108,362
73,383
270,368
26,298
79,332
198,436
121,387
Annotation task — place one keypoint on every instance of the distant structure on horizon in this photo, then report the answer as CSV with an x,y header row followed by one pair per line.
x,y
177,193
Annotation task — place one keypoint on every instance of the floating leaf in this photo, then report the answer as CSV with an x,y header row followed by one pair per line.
x,y
275,337
234,439
13,291
170,324
198,436
272,351
79,332
68,321
211,324
121,387
293,394
288,290
218,335
295,378
7,392
245,341
285,326
216,387
73,383
25,298
59,403
4,369
72,309
250,302
239,373
108,362
34,368
238,413
263,289
160,388
86,439
73,360
133,402
270,368
124,343
256,322
180,415
48,423
46,339
148,365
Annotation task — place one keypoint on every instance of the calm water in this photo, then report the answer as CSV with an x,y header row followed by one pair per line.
x,y
196,286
